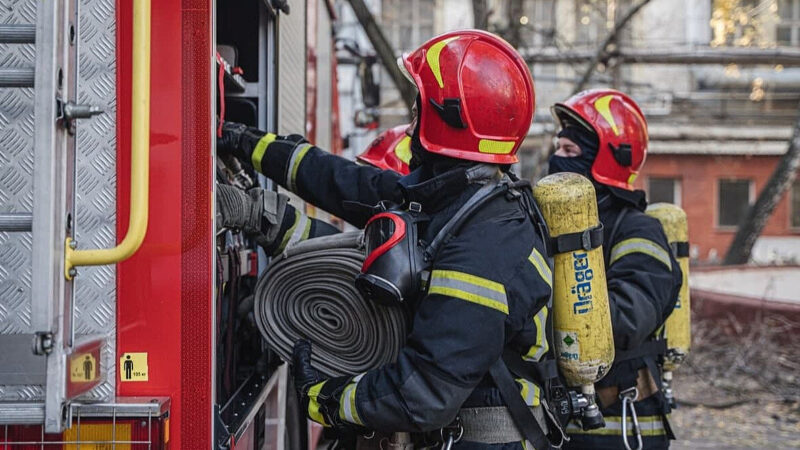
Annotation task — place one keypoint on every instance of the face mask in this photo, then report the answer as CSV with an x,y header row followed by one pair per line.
x,y
391,272
576,164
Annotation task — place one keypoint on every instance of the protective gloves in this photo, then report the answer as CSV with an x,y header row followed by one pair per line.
x,y
239,140
257,212
319,396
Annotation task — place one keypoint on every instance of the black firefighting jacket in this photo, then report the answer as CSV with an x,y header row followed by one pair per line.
x,y
488,287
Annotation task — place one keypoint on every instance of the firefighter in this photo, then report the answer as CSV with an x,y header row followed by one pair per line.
x,y
488,284
604,137
274,223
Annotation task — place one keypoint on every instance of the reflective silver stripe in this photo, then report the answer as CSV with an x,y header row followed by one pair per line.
x,y
542,267
347,403
301,230
649,426
541,346
470,288
529,392
640,245
294,163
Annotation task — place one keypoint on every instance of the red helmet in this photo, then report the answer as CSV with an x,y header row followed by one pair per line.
x,y
389,151
621,130
476,95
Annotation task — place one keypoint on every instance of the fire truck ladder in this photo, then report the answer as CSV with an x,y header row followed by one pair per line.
x,y
52,220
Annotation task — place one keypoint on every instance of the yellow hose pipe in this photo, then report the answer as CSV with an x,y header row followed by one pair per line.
x,y
140,156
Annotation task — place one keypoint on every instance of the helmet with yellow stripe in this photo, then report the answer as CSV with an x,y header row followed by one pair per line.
x,y
476,98
621,130
389,151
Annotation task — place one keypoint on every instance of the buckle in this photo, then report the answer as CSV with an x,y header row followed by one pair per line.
x,y
586,239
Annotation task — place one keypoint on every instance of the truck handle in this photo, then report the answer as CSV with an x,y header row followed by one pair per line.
x,y
140,156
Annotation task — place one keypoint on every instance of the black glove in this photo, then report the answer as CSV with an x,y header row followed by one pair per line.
x,y
239,140
319,396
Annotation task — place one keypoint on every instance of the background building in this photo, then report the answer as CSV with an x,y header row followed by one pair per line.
x,y
717,129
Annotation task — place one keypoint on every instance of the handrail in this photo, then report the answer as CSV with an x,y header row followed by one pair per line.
x,y
140,156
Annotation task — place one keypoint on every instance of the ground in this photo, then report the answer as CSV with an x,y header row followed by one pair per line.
x,y
740,387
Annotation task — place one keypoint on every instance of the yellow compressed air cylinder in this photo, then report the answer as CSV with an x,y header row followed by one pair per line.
x,y
677,328
581,316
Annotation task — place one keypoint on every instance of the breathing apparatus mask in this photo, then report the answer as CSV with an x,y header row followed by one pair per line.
x,y
391,272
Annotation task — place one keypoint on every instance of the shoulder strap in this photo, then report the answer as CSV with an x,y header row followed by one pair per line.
x,y
486,193
613,234
521,414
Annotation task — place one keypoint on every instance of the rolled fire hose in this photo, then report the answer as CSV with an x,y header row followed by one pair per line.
x,y
308,292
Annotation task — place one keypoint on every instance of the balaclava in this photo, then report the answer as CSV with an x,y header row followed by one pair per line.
x,y
588,143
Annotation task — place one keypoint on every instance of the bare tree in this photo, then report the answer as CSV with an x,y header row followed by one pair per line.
x,y
385,52
758,214
480,12
602,51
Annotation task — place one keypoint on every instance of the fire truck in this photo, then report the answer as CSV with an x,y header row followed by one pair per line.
x,y
125,314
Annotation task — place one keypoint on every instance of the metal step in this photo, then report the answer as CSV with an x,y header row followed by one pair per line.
x,y
11,78
17,34
16,221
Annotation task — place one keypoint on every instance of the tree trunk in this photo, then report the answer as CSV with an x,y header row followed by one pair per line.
x,y
480,13
385,52
758,214
602,50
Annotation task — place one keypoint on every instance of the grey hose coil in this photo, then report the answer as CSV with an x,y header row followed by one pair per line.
x,y
309,292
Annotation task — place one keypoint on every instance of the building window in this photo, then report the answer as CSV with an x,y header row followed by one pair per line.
x,y
666,190
407,23
788,28
795,204
734,197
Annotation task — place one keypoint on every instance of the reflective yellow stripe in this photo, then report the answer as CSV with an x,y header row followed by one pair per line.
x,y
640,245
542,267
470,288
530,392
432,56
495,147
289,233
541,346
294,164
260,149
313,404
602,105
403,150
347,404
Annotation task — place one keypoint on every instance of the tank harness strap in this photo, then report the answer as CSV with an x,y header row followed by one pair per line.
x,y
520,412
484,195
612,235
680,249
581,240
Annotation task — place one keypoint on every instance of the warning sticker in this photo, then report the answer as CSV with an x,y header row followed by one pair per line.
x,y
83,368
567,344
133,367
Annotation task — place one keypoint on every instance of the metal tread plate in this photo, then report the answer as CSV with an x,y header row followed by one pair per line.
x,y
95,288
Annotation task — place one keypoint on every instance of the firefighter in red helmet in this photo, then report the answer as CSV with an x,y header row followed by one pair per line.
x,y
391,150
604,137
458,241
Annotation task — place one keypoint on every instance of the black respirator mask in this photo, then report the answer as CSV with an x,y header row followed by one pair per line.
x,y
392,271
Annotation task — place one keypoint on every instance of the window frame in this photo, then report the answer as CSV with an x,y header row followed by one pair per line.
x,y
677,192
751,189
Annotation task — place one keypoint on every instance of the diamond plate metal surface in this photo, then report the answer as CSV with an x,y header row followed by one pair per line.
x,y
95,201
95,206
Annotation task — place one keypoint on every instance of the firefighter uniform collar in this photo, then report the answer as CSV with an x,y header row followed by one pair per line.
x,y
435,191
607,195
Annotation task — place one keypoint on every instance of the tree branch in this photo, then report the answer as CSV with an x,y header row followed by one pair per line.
x,y
757,215
385,52
602,50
